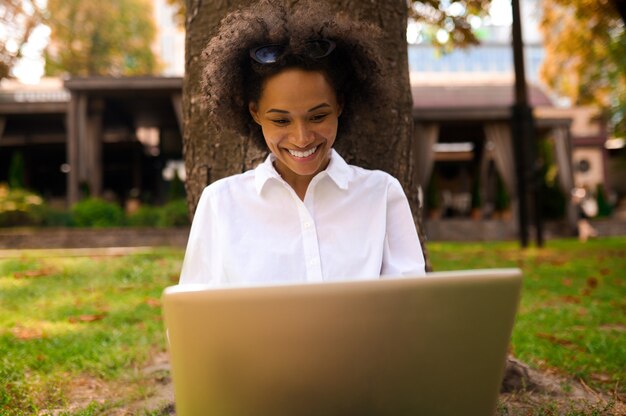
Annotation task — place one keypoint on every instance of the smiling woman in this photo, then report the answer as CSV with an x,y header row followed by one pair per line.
x,y
296,80
299,114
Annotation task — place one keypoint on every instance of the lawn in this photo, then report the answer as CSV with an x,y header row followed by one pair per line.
x,y
75,332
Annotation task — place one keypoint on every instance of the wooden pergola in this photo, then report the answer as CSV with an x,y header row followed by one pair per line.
x,y
148,100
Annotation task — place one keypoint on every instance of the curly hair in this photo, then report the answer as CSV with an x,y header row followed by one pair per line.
x,y
231,79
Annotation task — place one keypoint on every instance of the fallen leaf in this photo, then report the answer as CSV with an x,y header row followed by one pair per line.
x,y
154,303
47,271
605,271
570,299
87,318
567,282
553,339
174,278
592,282
25,334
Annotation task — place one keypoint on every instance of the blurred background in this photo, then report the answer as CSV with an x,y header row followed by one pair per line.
x,y
90,108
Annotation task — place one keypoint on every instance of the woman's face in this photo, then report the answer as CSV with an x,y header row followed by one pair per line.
x,y
298,112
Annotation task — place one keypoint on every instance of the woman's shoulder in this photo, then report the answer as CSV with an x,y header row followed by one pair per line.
x,y
373,177
238,184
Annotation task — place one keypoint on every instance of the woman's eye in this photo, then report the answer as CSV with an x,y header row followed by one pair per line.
x,y
280,122
319,117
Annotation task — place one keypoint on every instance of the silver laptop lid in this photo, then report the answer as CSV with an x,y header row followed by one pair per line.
x,y
432,345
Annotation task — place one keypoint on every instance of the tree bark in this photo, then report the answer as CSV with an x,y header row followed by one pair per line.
x,y
384,143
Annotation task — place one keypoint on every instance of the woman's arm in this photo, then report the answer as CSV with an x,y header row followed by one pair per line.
x,y
202,257
402,252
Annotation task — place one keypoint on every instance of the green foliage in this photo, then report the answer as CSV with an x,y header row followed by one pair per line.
x,y
503,201
57,218
552,200
145,216
435,15
95,212
604,208
176,189
476,196
18,19
174,214
19,207
585,44
16,171
433,199
100,37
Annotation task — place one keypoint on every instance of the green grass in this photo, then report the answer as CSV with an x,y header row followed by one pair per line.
x,y
63,319
67,321
572,315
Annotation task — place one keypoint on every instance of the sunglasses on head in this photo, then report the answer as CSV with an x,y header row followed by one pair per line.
x,y
270,54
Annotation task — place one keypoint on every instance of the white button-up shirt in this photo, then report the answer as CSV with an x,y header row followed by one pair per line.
x,y
252,228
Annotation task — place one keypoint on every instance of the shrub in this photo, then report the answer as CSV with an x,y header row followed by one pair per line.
x,y
502,202
145,216
16,171
604,207
97,213
57,218
174,214
19,207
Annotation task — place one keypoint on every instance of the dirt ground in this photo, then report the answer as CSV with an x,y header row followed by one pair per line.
x,y
529,392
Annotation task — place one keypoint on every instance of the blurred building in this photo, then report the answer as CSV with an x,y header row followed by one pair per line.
x,y
122,137
462,110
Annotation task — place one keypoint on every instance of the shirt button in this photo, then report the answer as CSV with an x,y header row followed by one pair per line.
x,y
307,225
313,262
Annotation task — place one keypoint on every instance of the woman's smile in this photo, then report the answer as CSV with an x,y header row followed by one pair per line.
x,y
303,154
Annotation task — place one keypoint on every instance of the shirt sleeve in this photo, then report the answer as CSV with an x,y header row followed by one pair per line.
x,y
402,252
202,263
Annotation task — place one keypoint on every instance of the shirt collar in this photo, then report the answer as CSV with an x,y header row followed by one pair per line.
x,y
338,170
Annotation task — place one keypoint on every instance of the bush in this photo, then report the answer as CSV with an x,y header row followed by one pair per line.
x,y
604,207
174,214
145,216
57,218
502,202
97,213
19,207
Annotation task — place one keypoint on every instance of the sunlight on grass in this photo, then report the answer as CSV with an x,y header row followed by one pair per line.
x,y
572,314
71,322
64,318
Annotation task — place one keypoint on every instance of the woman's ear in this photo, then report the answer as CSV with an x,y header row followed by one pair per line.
x,y
254,111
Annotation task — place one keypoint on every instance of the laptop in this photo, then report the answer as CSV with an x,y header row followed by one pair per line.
x,y
433,345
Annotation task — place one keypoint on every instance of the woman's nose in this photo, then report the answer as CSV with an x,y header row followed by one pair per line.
x,y
303,136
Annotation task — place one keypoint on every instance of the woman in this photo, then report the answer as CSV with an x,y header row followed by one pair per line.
x,y
297,81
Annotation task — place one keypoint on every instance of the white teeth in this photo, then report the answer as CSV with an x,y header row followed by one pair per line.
x,y
303,154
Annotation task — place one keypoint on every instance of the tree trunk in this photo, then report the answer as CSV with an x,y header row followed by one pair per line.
x,y
384,143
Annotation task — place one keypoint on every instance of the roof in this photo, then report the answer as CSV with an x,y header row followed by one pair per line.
x,y
442,95
47,96
145,83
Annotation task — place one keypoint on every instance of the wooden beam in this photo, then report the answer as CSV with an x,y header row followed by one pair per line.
x,y
124,83
84,146
177,103
33,108
72,150
3,123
